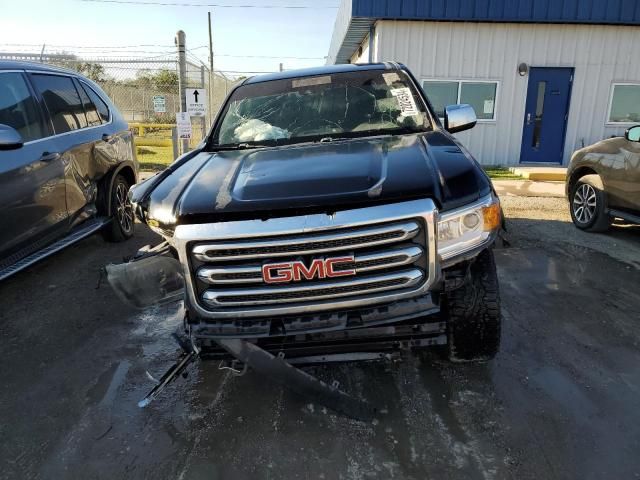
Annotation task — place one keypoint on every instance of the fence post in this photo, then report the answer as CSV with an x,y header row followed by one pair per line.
x,y
174,142
181,44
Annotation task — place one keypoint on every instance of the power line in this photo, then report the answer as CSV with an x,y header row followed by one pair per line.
x,y
85,46
217,5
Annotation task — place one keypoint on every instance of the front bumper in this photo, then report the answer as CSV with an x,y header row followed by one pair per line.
x,y
372,334
314,323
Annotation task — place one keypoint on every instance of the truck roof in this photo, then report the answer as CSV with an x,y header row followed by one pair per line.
x,y
323,70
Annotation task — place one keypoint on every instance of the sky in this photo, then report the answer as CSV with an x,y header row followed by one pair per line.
x,y
94,29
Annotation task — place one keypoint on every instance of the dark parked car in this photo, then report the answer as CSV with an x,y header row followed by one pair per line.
x,y
603,182
67,161
328,216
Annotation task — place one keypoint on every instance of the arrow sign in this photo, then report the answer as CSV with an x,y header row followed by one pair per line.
x,y
196,102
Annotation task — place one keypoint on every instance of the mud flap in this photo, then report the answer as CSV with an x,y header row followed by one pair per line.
x,y
300,382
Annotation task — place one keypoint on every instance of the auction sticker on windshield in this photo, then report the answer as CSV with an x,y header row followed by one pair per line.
x,y
405,101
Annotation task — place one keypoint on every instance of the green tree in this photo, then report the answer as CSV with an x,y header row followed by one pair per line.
x,y
164,80
93,71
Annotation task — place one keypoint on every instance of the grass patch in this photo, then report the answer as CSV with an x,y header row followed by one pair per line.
x,y
501,173
154,158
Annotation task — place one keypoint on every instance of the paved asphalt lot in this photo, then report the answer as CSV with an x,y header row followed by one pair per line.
x,y
560,401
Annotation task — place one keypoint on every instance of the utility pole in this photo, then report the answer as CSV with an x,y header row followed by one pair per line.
x,y
203,118
181,44
211,74
281,68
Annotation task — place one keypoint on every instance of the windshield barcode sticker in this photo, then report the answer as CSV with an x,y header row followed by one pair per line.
x,y
405,101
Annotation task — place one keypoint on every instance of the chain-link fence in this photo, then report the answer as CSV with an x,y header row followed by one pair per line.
x,y
147,93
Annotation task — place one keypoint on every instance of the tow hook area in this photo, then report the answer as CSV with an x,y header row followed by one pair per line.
x,y
275,367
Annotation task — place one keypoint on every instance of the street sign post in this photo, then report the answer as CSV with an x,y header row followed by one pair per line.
x,y
159,104
196,102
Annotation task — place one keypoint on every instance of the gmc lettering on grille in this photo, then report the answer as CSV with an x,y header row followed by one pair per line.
x,y
295,271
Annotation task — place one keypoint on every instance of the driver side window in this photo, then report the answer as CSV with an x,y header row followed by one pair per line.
x,y
18,108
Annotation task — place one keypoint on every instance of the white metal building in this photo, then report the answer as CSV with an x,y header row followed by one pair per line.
x,y
545,77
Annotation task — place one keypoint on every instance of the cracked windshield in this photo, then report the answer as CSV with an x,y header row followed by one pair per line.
x,y
322,108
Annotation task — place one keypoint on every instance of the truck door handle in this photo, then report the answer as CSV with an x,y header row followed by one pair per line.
x,y
528,119
106,137
49,156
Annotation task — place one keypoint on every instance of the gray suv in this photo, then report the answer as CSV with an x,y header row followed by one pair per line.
x,y
603,182
67,161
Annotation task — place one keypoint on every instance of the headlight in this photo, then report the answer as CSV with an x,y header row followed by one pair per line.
x,y
467,228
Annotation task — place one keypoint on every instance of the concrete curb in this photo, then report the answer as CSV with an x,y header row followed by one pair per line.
x,y
541,174
529,188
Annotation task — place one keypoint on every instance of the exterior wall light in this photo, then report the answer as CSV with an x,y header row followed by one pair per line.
x,y
523,69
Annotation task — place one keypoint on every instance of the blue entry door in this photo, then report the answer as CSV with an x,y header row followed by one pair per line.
x,y
545,115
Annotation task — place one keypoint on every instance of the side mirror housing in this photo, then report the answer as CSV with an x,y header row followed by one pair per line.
x,y
633,134
10,139
459,117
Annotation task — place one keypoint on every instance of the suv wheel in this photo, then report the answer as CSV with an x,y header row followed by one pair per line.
x,y
588,205
122,224
473,311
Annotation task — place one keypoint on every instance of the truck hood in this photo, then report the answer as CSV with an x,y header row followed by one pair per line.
x,y
258,183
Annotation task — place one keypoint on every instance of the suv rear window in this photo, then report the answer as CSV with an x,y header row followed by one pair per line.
x,y
18,108
62,100
93,118
103,109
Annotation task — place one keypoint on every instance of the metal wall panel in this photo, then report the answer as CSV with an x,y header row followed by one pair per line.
x,y
601,55
621,12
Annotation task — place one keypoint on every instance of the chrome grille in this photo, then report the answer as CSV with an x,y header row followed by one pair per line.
x,y
306,244
365,262
315,291
393,249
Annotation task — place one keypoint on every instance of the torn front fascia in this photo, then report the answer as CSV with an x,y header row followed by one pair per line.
x,y
274,367
150,278
295,379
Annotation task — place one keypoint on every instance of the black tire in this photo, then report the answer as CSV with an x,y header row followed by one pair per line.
x,y
588,204
122,223
473,314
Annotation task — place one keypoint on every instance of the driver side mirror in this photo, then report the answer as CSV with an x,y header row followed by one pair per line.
x,y
633,134
10,139
459,117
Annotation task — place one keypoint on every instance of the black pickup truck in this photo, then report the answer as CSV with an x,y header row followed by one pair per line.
x,y
328,215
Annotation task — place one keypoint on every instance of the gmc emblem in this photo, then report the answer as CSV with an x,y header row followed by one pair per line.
x,y
297,270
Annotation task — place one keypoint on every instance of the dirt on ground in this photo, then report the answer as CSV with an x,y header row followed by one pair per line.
x,y
559,401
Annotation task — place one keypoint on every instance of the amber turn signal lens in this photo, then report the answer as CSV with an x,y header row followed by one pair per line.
x,y
491,216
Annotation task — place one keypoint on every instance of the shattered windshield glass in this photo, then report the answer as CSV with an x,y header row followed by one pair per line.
x,y
350,104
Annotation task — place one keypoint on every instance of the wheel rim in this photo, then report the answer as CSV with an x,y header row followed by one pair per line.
x,y
584,203
124,211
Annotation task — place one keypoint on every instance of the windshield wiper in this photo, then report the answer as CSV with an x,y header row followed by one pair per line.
x,y
242,146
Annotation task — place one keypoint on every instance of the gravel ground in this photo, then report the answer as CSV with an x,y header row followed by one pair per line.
x,y
535,221
559,401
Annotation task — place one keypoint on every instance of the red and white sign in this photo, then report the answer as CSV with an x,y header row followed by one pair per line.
x,y
297,270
